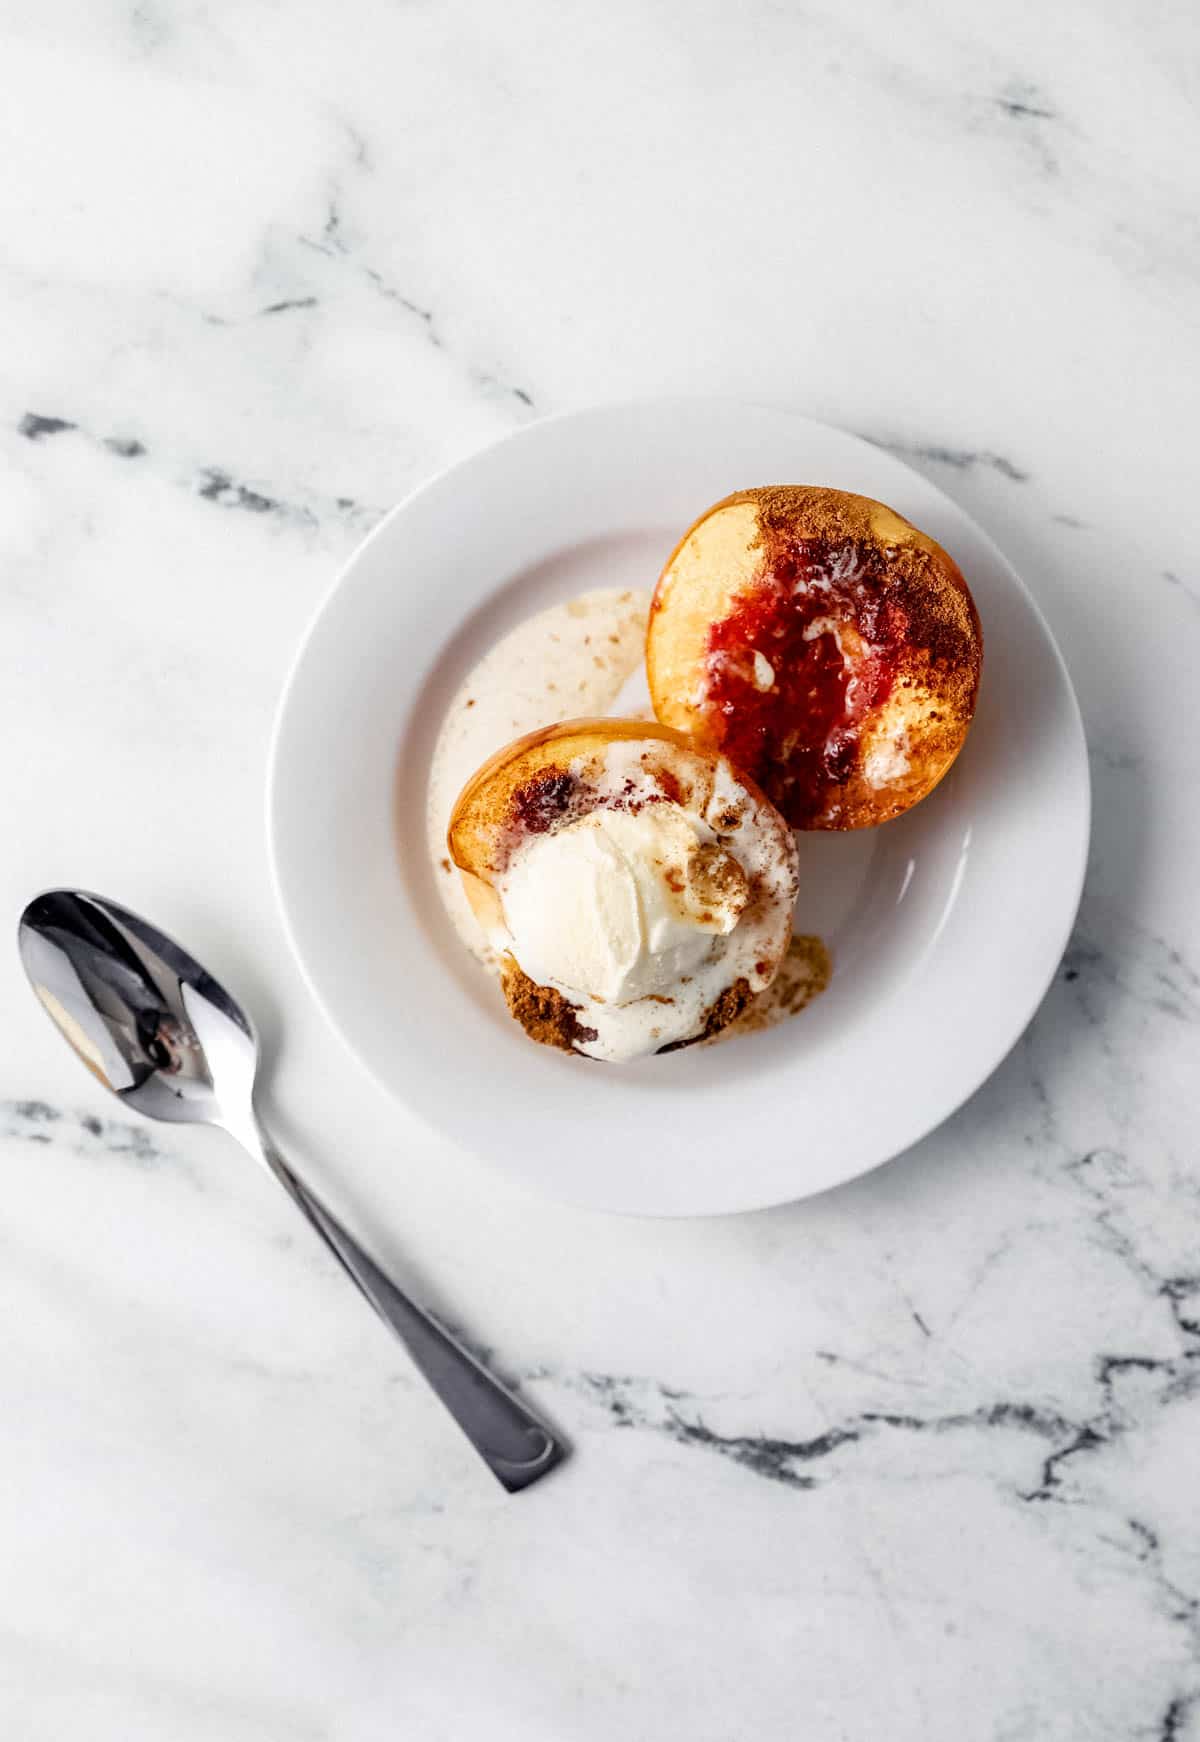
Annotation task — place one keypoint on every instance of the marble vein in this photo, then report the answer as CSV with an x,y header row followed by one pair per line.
x,y
335,243
34,1121
958,459
211,483
1186,587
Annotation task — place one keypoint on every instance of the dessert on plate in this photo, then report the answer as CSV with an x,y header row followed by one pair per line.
x,y
823,643
636,889
813,661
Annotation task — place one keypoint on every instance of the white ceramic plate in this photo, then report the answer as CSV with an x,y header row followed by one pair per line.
x,y
945,926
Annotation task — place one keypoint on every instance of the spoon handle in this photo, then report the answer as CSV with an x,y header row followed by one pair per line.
x,y
517,1447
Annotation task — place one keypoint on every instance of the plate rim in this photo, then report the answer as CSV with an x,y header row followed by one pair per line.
x,y
1072,885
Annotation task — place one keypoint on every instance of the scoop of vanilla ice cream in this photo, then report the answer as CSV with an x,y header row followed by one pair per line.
x,y
620,905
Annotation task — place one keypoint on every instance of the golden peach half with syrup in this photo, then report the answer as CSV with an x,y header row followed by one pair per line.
x,y
827,646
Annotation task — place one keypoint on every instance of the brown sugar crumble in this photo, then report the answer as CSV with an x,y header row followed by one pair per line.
x,y
728,1007
544,1014
718,879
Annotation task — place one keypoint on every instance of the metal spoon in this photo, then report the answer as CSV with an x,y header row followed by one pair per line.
x,y
153,1027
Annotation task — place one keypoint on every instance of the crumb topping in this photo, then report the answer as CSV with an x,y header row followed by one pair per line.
x,y
544,1014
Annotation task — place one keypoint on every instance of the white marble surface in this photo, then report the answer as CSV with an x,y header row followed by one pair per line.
x,y
915,1460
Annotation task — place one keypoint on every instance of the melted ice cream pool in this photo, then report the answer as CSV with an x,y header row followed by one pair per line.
x,y
575,659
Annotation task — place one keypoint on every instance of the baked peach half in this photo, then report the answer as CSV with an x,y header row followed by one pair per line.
x,y
636,887
826,646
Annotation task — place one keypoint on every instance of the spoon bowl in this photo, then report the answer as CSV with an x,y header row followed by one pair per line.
x,y
146,1019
